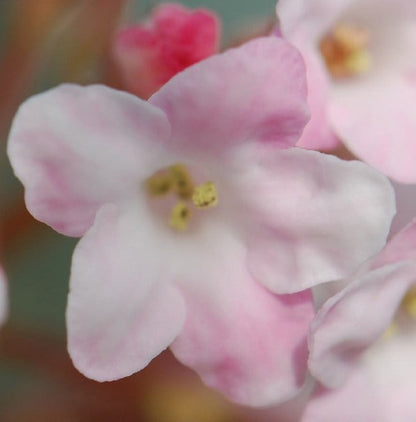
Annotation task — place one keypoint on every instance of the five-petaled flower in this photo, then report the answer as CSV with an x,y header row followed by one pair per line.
x,y
202,228
361,61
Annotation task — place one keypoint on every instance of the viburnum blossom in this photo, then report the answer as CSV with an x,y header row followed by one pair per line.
x,y
198,218
149,54
361,61
363,341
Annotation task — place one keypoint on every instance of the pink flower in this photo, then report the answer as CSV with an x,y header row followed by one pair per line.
x,y
194,211
361,61
375,373
148,55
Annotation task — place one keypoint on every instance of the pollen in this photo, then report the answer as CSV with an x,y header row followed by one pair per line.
x,y
176,180
345,51
181,180
179,216
159,184
205,195
409,303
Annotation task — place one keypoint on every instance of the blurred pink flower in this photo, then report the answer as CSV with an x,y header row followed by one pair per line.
x,y
361,61
193,209
374,373
149,54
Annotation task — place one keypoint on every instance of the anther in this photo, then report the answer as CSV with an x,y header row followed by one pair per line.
x,y
205,195
409,303
345,51
179,216
181,181
159,184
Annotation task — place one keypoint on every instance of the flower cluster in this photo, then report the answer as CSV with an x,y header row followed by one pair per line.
x,y
209,224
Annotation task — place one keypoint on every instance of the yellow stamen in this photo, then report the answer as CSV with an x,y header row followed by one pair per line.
x,y
409,303
181,181
158,184
180,216
205,195
345,51
390,332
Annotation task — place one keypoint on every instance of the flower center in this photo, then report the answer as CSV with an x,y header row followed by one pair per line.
x,y
406,311
177,180
345,51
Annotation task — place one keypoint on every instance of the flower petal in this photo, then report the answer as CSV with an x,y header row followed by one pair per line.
x,y
314,16
75,148
241,339
406,206
121,310
381,386
356,111
317,134
354,319
320,217
357,400
402,247
254,92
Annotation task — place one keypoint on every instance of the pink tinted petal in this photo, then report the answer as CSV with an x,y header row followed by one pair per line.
x,y
357,400
354,319
192,35
406,206
382,11
314,16
357,110
402,247
121,310
149,54
379,388
240,338
320,217
254,92
317,134
75,148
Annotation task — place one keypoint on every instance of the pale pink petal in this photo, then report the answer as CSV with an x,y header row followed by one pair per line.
x,y
254,92
240,338
406,206
378,125
379,388
75,148
402,247
357,400
318,134
122,312
314,16
354,319
380,13
316,217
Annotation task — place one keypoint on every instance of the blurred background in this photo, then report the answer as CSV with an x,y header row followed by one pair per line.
x,y
44,43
